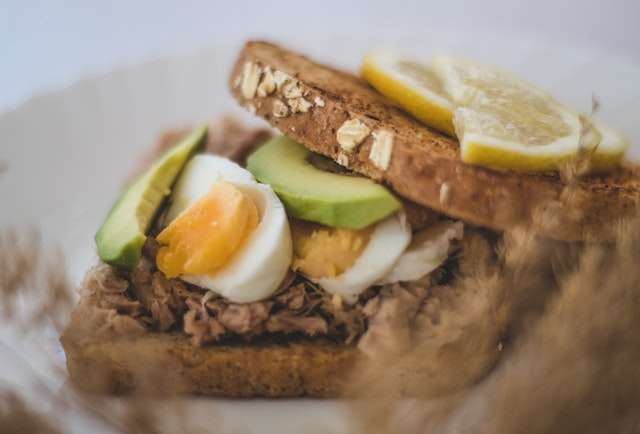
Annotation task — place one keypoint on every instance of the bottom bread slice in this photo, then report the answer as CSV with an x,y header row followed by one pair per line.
x,y
270,369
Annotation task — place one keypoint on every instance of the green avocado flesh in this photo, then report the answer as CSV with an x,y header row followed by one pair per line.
x,y
309,193
123,233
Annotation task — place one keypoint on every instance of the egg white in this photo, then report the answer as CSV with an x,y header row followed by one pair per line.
x,y
257,269
197,178
388,241
428,250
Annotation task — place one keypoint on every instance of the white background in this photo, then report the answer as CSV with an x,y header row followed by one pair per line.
x,y
45,45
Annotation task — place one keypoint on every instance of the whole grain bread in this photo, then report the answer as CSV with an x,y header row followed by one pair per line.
x,y
311,102
269,369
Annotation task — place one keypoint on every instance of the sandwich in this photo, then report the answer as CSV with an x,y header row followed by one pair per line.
x,y
268,262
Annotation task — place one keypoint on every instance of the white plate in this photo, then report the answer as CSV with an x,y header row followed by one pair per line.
x,y
69,151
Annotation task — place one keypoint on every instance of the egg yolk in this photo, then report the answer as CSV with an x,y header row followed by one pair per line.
x,y
204,237
322,251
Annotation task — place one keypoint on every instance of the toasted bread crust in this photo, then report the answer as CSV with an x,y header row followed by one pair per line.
x,y
297,368
425,166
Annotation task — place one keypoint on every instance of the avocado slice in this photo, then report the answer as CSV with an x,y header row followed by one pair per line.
x,y
123,233
308,193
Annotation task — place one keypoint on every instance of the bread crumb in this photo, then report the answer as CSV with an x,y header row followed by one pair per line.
x,y
280,78
351,134
318,101
299,105
343,159
280,109
291,89
381,149
267,85
250,79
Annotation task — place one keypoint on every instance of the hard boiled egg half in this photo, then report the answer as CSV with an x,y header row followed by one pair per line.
x,y
225,232
346,262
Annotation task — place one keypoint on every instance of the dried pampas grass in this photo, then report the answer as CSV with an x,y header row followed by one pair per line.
x,y
16,416
35,294
568,320
34,286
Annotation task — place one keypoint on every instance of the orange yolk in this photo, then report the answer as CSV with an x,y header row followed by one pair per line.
x,y
322,251
203,238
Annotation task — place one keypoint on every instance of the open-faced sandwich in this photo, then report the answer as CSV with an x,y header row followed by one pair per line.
x,y
251,264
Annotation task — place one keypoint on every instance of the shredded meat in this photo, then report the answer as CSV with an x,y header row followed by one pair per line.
x,y
104,279
293,299
298,308
203,329
120,303
296,298
103,288
163,298
144,299
243,318
287,323
162,315
106,307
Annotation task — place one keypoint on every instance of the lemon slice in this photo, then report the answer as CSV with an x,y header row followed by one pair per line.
x,y
501,121
505,122
411,85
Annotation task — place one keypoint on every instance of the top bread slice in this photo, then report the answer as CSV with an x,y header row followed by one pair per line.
x,y
311,102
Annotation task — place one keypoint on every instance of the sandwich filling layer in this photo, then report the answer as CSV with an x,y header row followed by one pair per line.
x,y
223,261
130,303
